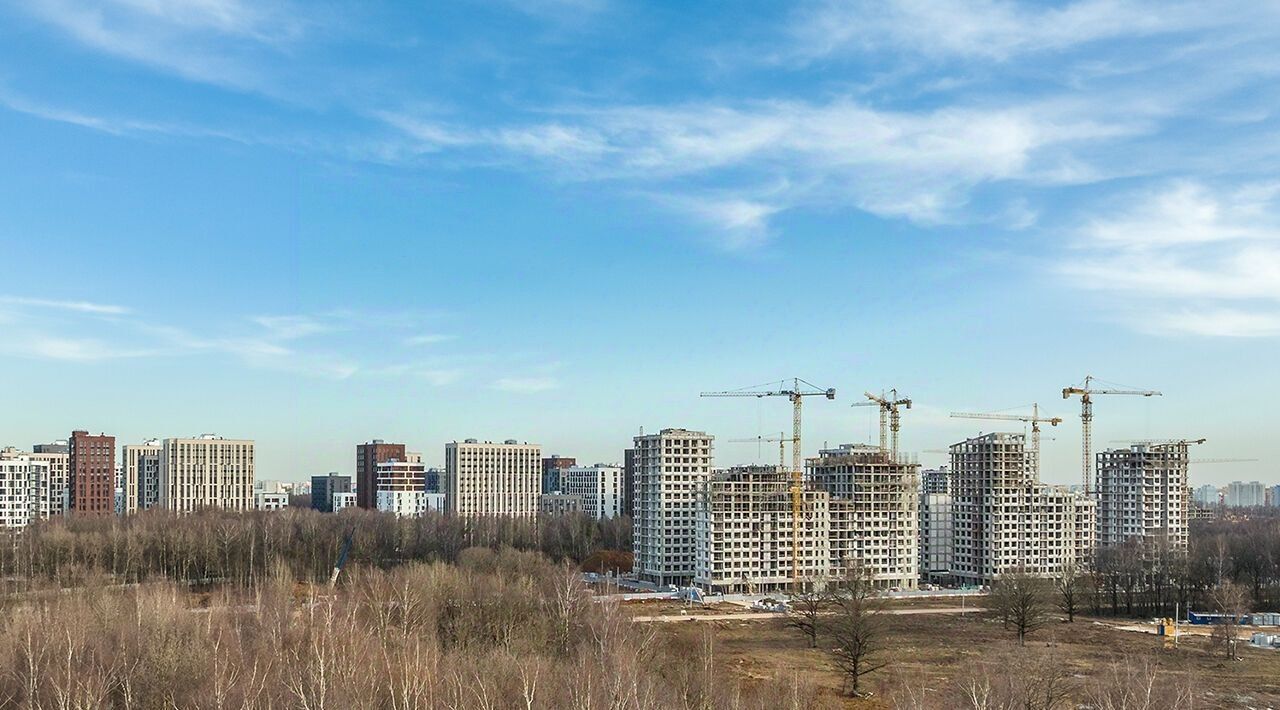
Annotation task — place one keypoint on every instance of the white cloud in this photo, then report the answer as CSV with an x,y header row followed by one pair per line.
x,y
526,385
1190,258
76,306
49,347
292,327
430,339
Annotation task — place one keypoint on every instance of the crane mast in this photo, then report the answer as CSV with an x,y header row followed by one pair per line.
x,y
1086,393
890,417
1034,418
796,393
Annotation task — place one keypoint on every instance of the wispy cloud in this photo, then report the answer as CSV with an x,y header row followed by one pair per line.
x,y
1192,258
430,339
76,306
526,385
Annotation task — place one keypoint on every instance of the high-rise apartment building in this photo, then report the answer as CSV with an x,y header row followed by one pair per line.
x,y
323,488
671,467
1207,496
91,472
20,479
402,489
142,476
488,479
747,536
937,537
628,481
935,480
1240,494
553,468
1142,496
1005,519
875,502
368,456
599,487
52,494
206,472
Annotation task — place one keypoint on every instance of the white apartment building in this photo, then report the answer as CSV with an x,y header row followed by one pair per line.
x,y
141,476
1004,519
875,501
670,468
747,536
206,472
488,479
599,487
344,500
268,500
1142,495
402,489
1207,496
937,537
52,495
1240,494
20,482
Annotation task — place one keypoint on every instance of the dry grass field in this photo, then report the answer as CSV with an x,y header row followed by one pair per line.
x,y
933,654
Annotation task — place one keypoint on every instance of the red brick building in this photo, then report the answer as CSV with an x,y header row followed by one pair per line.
x,y
368,456
91,473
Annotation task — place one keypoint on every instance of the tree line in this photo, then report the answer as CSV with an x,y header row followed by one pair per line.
x,y
240,548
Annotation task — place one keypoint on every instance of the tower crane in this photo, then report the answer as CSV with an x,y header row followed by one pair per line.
x,y
889,415
782,440
796,393
1035,420
1086,393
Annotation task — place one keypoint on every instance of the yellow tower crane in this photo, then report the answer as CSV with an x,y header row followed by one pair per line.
x,y
1086,393
889,416
781,440
1034,418
796,393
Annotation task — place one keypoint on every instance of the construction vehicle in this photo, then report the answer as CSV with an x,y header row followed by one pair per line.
x,y
796,393
1086,393
1034,418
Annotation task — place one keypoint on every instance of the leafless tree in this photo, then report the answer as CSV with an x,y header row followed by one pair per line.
x,y
1020,600
803,609
1228,600
855,628
1069,587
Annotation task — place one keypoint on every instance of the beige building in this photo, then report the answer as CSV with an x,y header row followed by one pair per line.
x,y
206,472
141,476
875,505
670,468
1142,495
1005,519
488,479
746,532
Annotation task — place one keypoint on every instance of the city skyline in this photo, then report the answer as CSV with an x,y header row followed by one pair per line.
x,y
314,229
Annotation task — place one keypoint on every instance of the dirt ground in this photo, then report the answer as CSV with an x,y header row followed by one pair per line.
x,y
934,652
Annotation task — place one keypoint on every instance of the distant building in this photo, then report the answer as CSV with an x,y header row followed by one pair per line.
x,y
488,479
342,501
324,488
559,504
671,467
747,535
1244,495
401,489
1006,520
552,468
52,494
58,447
937,537
1273,496
270,500
142,476
368,456
20,478
599,487
1142,495
91,470
206,472
628,482
1207,496
875,502
935,480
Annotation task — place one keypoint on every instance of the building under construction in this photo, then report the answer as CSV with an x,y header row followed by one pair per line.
x,y
874,511
746,532
1006,520
1142,496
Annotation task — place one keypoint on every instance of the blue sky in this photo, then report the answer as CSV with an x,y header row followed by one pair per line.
x,y
312,224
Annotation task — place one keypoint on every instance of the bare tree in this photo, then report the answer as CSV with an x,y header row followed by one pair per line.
x,y
1070,589
803,609
855,628
1020,600
1228,600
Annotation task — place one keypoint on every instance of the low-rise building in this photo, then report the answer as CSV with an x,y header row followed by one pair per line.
x,y
268,500
325,488
559,504
342,501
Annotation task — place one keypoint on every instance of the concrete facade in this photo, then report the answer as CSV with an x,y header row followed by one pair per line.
x,y
1142,496
141,476
324,488
600,487
671,467
20,479
937,537
206,472
488,479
